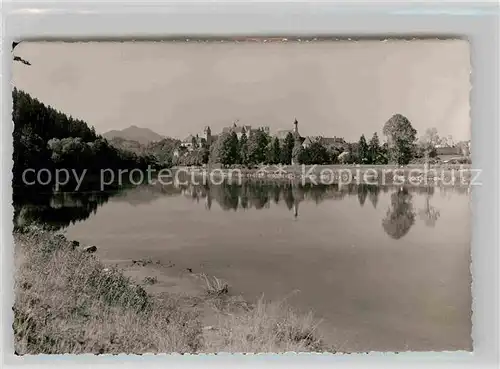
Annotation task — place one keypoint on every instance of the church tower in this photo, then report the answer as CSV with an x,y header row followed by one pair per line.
x,y
296,127
208,135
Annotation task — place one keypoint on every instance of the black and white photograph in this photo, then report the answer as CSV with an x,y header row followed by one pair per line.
x,y
242,195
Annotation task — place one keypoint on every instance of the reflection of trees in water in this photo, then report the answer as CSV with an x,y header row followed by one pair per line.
x,y
429,214
400,216
373,193
276,193
447,191
59,210
145,194
261,194
362,193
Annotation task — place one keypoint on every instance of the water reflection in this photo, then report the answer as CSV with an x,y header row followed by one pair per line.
x,y
400,216
62,209
373,192
59,210
429,214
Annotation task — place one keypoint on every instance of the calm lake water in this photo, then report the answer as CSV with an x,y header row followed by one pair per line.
x,y
385,268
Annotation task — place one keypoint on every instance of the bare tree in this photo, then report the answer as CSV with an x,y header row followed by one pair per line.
x,y
447,141
429,141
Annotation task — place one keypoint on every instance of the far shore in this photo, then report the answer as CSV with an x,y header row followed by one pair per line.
x,y
413,174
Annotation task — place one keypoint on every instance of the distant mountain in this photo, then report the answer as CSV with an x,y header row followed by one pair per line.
x,y
129,145
133,133
163,150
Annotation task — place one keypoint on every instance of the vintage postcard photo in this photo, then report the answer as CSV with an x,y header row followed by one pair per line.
x,y
242,195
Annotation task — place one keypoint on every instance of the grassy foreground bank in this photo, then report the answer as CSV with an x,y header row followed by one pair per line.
x,y
67,301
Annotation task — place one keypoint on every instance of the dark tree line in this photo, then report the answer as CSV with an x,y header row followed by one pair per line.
x,y
401,148
261,148
45,138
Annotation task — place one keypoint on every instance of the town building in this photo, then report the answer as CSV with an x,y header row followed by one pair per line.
x,y
448,150
239,130
246,129
191,142
332,143
282,133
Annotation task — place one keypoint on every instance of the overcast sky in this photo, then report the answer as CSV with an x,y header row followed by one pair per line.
x,y
338,88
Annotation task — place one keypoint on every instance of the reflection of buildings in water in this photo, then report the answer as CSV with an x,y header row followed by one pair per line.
x,y
208,201
63,209
259,195
296,209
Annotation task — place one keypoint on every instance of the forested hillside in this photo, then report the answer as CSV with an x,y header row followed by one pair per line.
x,y
46,138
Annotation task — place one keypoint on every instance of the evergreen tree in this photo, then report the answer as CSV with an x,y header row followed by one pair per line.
x,y
225,149
275,151
317,153
374,149
235,148
205,154
286,152
363,153
46,138
194,143
333,154
352,154
257,145
243,149
297,153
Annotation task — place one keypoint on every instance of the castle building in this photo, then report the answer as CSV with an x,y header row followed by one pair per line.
x,y
192,142
246,129
239,130
207,134
282,133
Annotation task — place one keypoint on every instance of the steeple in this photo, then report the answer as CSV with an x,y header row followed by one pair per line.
x,y
208,135
296,128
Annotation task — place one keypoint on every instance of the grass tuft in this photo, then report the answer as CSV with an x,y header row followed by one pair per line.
x,y
268,327
150,280
75,305
66,301
215,286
